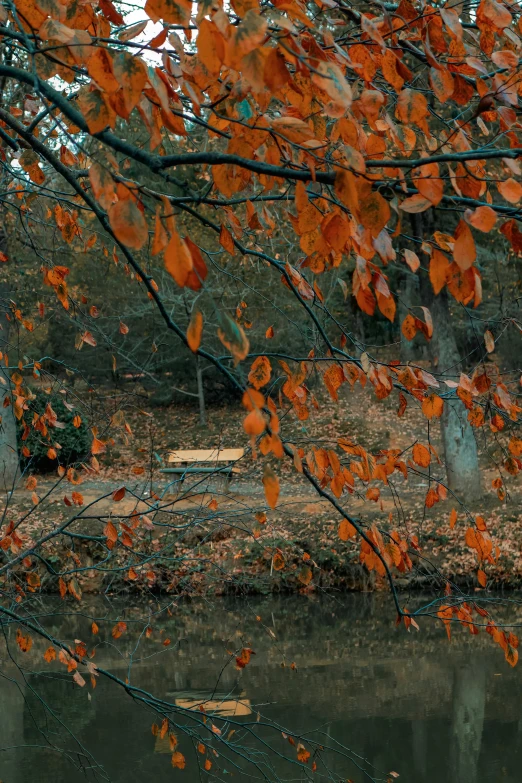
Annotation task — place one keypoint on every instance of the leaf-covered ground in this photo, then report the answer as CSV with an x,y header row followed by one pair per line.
x,y
221,541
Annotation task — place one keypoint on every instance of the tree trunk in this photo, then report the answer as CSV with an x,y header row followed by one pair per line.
x,y
356,325
8,444
201,393
458,439
411,350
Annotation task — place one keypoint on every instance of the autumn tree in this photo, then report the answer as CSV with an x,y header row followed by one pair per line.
x,y
207,150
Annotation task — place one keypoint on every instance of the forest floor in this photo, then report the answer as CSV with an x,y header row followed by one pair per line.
x,y
238,552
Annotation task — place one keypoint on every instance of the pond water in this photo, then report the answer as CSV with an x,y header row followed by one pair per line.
x,y
410,702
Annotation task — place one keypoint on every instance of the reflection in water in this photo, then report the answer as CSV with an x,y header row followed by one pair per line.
x,y
224,708
434,712
469,701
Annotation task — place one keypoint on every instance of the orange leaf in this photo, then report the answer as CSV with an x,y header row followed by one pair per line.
x,y
33,580
67,157
134,30
412,259
31,483
226,240
271,485
88,339
412,108
194,331
118,629
428,182
432,406
178,759
292,128
330,78
103,185
128,224
252,399
118,494
346,190
386,305
110,532
303,754
171,12
409,328
96,109
211,46
452,518
483,218
511,190
161,240
438,271
243,659
442,83
421,455
78,679
489,341
254,423
511,655
97,447
505,59
24,642
374,211
109,11
199,271
178,259
260,372
415,203
464,251
159,39
77,498
346,530
233,337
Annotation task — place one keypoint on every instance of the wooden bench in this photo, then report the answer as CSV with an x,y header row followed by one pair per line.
x,y
204,461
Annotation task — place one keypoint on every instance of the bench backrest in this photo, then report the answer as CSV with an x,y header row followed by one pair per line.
x,y
206,455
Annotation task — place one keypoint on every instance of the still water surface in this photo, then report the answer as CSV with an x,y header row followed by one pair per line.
x,y
410,702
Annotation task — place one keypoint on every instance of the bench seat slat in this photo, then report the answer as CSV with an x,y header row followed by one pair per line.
x,y
182,470
205,455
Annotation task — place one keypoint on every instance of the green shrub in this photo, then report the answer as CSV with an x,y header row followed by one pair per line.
x,y
74,441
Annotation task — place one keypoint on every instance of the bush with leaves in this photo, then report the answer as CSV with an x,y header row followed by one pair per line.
x,y
63,445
